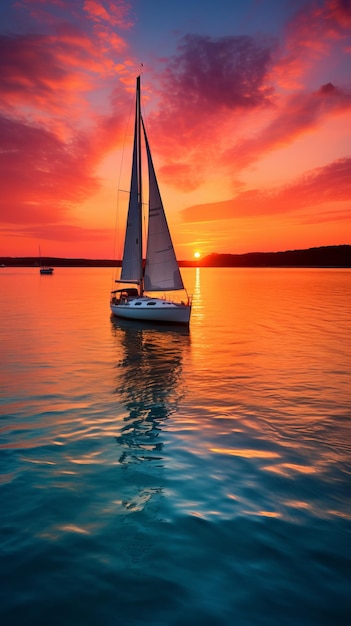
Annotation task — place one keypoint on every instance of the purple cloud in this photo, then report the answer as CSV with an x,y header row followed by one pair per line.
x,y
227,72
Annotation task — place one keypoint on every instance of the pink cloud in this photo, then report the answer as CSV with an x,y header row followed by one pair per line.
x,y
336,16
71,38
114,12
96,10
301,113
47,81
46,73
42,176
27,67
309,37
328,184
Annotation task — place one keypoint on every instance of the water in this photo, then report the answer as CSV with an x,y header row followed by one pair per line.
x,y
168,477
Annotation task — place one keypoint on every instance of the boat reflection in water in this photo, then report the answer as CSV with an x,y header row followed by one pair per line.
x,y
149,387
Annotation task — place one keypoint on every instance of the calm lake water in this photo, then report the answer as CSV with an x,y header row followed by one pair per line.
x,y
171,477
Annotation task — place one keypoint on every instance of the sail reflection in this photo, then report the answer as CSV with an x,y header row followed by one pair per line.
x,y
149,384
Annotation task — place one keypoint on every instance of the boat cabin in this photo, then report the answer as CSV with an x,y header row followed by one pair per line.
x,y
122,295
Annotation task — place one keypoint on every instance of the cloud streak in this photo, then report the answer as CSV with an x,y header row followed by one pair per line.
x,y
37,74
40,175
301,113
320,186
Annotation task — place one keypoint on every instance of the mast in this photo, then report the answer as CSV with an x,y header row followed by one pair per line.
x,y
132,261
140,197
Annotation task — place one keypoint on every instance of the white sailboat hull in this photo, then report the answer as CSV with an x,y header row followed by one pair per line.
x,y
153,310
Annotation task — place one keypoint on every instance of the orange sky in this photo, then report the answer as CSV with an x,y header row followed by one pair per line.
x,y
247,106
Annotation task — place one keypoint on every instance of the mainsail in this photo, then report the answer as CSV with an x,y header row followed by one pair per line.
x,y
161,269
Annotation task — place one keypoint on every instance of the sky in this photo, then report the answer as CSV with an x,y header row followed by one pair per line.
x,y
247,105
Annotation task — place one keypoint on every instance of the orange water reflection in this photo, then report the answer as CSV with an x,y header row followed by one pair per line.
x,y
247,454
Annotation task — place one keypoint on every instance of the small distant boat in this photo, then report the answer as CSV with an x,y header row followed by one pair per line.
x,y
44,269
161,271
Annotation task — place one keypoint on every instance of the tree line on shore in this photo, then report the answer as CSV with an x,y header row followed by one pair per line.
x,y
325,256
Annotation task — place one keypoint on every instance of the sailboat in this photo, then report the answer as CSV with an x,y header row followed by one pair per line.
x,y
160,273
43,268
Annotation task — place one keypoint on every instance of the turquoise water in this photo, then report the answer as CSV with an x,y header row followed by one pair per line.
x,y
173,477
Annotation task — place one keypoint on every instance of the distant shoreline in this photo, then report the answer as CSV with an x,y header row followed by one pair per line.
x,y
325,256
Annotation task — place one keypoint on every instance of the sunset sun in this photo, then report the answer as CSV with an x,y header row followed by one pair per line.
x,y
197,254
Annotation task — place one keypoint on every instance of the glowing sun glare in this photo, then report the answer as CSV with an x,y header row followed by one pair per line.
x,y
197,255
